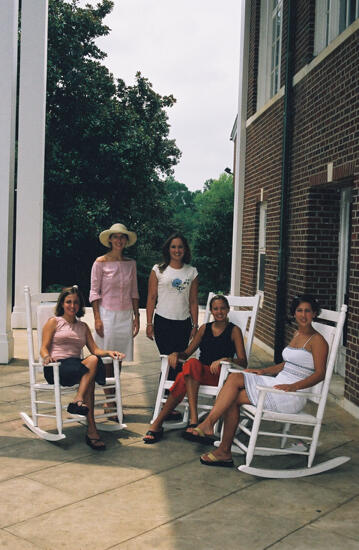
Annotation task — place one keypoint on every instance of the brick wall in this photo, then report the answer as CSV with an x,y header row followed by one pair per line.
x,y
263,170
326,129
304,36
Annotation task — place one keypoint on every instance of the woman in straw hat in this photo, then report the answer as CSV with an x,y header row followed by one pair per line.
x,y
114,293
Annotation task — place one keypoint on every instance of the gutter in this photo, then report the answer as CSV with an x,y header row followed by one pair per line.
x,y
281,299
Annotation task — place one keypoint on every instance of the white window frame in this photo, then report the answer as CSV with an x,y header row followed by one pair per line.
x,y
332,17
270,48
262,230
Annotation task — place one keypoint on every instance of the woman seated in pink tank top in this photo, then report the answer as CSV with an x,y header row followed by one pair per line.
x,y
63,338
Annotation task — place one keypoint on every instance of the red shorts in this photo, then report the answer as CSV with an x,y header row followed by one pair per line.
x,y
196,370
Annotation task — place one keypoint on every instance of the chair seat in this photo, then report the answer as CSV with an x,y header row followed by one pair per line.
x,y
298,418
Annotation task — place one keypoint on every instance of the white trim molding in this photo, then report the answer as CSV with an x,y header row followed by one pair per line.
x,y
8,70
240,149
31,153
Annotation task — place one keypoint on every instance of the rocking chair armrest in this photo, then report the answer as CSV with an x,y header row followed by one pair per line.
x,y
275,390
163,356
236,368
116,365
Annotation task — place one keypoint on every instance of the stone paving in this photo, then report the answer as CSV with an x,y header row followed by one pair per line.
x,y
135,496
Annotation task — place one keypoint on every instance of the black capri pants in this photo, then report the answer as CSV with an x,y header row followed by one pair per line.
x,y
170,336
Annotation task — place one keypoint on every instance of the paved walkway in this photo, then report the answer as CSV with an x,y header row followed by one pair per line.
x,y
159,497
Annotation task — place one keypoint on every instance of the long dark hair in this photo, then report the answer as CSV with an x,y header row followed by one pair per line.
x,y
59,309
309,298
166,251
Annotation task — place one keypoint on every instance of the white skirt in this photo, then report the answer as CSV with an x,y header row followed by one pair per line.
x,y
118,330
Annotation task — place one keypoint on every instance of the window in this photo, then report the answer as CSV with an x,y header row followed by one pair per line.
x,y
270,45
331,18
261,246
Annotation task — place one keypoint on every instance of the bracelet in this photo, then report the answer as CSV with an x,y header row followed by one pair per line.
x,y
149,325
195,326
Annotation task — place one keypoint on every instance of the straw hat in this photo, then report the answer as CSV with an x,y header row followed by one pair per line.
x,y
117,228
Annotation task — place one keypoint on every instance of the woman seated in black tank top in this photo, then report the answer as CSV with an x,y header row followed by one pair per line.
x,y
218,341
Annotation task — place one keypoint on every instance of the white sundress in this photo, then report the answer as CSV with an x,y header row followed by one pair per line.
x,y
298,365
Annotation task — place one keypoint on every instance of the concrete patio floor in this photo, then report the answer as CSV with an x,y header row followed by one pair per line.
x,y
159,497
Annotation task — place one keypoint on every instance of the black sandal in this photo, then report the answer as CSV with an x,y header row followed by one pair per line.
x,y
156,436
173,415
75,408
89,441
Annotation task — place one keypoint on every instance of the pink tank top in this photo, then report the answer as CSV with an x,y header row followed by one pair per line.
x,y
68,339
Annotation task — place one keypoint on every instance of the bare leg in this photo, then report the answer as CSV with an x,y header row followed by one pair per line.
x,y
192,393
91,363
91,426
170,404
230,423
226,398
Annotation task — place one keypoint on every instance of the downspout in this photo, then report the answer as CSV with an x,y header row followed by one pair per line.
x,y
285,186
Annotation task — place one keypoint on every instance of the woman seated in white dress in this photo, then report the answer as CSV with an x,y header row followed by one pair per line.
x,y
304,366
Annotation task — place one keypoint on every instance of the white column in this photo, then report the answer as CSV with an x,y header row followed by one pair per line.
x,y
8,72
240,151
32,104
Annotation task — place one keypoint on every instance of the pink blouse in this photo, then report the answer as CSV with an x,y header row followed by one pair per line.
x,y
115,284
68,339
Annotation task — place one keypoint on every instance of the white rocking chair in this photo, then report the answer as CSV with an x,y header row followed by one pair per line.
x,y
40,408
245,319
301,445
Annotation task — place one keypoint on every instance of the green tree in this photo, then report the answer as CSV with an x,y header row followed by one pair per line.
x,y
212,248
107,150
183,207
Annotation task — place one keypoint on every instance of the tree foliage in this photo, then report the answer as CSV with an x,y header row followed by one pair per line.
x,y
109,159
183,211
205,218
212,238
107,150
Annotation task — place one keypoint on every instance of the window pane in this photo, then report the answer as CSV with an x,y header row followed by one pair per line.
x,y
275,43
352,11
343,14
261,270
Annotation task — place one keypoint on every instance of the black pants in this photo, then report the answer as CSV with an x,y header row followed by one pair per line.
x,y
72,370
171,336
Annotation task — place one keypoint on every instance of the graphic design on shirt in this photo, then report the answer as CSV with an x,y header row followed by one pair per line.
x,y
180,285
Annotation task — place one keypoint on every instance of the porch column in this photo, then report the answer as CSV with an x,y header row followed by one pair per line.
x,y
8,72
32,103
240,148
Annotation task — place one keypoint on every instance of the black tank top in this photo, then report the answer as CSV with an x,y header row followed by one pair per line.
x,y
216,347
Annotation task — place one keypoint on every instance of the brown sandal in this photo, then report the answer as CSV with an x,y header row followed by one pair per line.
x,y
89,441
